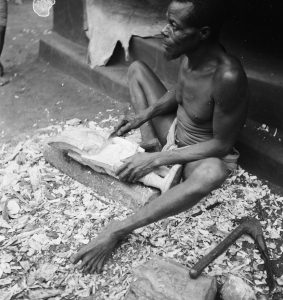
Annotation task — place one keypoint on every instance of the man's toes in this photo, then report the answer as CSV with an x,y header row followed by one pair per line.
x,y
101,263
81,253
93,268
76,258
89,266
85,260
92,262
94,265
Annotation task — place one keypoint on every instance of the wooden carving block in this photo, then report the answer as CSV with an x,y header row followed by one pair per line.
x,y
106,155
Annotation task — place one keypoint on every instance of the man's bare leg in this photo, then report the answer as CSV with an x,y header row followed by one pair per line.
x,y
201,177
145,89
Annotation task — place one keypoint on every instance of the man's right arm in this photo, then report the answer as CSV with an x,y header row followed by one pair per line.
x,y
165,105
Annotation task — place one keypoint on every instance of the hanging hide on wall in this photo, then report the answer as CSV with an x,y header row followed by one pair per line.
x,y
118,20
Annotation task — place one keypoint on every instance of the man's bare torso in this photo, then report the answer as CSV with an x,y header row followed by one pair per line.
x,y
194,95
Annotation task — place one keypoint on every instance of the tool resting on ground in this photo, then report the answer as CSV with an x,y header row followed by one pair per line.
x,y
250,226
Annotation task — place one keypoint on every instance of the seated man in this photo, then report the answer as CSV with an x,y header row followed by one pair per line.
x,y
205,112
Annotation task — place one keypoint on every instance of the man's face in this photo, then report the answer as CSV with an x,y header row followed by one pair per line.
x,y
179,37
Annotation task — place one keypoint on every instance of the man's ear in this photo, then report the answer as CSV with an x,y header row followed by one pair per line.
x,y
205,32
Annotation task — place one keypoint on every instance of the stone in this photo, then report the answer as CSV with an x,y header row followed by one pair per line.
x,y
235,288
163,279
13,208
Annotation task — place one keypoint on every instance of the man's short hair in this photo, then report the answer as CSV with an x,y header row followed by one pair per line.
x,y
210,13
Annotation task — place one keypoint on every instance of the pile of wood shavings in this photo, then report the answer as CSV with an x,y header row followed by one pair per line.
x,y
56,215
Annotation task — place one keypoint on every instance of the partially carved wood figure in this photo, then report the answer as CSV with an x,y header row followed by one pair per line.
x,y
103,155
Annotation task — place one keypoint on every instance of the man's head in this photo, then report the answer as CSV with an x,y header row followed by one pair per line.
x,y
190,23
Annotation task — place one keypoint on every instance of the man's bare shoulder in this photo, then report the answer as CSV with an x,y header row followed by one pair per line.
x,y
230,71
230,81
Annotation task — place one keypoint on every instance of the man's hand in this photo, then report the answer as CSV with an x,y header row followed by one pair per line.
x,y
136,166
129,122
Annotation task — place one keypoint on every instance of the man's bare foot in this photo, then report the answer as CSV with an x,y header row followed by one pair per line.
x,y
94,255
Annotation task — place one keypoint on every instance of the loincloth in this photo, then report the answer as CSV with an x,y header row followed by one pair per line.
x,y
3,12
230,160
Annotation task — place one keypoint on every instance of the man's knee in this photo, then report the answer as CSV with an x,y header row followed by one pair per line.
x,y
137,70
211,173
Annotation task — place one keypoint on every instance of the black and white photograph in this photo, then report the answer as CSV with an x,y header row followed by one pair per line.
x,y
141,149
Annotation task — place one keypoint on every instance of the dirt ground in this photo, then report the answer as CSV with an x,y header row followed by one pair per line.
x,y
39,95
